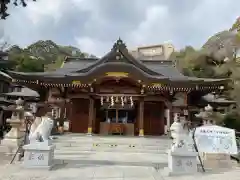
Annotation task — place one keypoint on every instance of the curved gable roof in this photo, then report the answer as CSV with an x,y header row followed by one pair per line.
x,y
101,69
118,59
118,53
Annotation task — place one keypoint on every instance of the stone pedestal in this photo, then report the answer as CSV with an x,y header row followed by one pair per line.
x,y
181,162
14,137
217,161
39,155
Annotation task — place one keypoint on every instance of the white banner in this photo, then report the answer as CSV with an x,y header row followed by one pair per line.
x,y
216,139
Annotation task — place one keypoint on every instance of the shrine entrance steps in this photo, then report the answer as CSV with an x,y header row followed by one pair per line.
x,y
113,150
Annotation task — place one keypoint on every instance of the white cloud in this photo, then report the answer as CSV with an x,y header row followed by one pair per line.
x,y
153,27
39,12
94,25
87,44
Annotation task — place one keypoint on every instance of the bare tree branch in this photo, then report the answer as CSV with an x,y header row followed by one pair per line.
x,y
4,46
4,6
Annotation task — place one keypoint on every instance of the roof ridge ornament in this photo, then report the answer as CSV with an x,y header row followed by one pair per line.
x,y
119,44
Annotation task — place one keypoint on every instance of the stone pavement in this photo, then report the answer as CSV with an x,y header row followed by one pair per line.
x,y
109,172
112,149
111,158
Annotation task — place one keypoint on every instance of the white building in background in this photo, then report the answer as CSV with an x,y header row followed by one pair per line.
x,y
153,52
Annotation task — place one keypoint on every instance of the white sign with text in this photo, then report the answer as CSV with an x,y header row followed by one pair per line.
x,y
216,139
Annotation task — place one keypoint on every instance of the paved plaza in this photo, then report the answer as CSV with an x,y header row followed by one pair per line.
x,y
100,172
111,158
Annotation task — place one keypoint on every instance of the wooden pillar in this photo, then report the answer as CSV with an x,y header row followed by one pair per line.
x,y
90,116
116,115
70,114
168,120
61,119
94,120
141,117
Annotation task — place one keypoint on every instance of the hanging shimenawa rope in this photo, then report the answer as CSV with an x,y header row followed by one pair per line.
x,y
4,6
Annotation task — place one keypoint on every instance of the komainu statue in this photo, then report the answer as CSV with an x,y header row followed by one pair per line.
x,y
40,130
181,135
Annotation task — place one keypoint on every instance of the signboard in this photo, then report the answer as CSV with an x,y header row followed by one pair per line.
x,y
76,82
117,74
216,139
157,85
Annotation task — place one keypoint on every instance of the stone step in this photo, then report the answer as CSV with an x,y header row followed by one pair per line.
x,y
113,157
77,142
77,150
81,163
112,142
116,145
112,147
111,150
111,139
99,143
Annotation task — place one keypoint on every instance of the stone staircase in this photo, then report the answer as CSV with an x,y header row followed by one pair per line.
x,y
111,149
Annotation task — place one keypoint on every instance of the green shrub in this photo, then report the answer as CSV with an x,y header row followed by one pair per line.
x,y
232,121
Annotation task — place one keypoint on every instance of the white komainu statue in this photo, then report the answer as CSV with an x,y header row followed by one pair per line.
x,y
40,130
182,137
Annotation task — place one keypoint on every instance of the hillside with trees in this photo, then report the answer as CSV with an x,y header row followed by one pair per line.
x,y
218,58
41,56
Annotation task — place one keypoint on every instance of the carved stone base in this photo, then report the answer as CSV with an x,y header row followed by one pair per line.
x,y
11,145
12,140
181,162
217,161
39,155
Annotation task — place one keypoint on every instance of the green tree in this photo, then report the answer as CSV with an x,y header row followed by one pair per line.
x,y
4,6
45,52
192,62
218,58
25,63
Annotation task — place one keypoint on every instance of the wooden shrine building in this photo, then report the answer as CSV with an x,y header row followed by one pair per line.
x,y
119,94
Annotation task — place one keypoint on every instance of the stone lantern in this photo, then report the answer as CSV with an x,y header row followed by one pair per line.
x,y
206,115
13,139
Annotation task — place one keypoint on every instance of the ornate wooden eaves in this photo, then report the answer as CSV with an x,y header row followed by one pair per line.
x,y
150,87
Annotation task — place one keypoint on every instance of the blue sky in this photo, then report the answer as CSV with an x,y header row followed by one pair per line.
x,y
94,25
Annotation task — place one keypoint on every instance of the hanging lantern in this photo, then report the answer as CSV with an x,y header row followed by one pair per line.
x,y
122,101
101,100
112,101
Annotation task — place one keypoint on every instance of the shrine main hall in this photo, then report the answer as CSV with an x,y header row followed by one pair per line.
x,y
119,94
